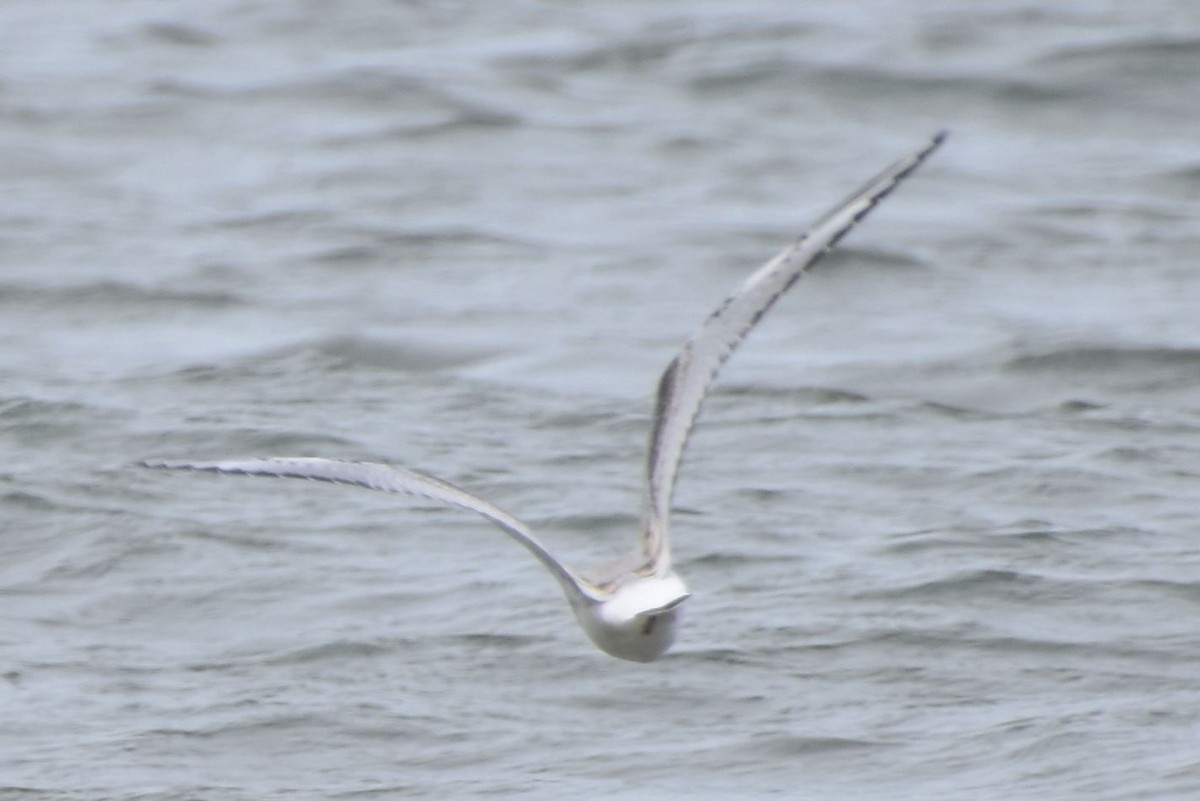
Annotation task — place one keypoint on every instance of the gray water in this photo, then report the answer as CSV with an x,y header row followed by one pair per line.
x,y
939,516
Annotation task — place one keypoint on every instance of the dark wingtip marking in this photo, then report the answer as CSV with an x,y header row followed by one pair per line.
x,y
241,471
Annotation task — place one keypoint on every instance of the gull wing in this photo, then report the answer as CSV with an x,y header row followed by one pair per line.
x,y
684,384
391,479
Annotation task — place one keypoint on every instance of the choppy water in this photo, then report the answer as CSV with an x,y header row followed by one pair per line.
x,y
940,517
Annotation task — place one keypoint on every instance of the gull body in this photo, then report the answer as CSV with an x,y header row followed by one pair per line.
x,y
630,610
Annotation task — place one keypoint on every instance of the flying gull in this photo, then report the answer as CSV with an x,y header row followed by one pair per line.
x,y
630,609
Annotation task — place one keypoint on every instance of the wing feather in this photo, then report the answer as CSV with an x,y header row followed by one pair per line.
x,y
386,478
685,383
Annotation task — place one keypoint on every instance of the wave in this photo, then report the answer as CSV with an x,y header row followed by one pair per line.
x,y
385,245
425,103
961,583
111,294
1154,58
329,651
1110,361
336,352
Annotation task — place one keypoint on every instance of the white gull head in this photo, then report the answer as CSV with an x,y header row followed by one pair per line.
x,y
633,612
638,620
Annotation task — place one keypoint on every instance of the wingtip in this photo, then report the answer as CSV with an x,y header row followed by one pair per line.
x,y
167,464
935,142
160,464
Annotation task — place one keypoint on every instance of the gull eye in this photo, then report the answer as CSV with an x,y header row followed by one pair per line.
x,y
650,621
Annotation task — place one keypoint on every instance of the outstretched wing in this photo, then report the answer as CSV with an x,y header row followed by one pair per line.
x,y
684,384
389,479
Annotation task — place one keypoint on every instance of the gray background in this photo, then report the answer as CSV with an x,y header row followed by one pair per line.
x,y
939,516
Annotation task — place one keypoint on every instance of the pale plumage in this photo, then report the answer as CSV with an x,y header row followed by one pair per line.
x,y
631,613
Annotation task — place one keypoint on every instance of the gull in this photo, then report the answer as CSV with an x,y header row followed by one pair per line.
x,y
631,608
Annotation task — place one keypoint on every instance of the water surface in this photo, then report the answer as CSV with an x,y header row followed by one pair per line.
x,y
939,517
